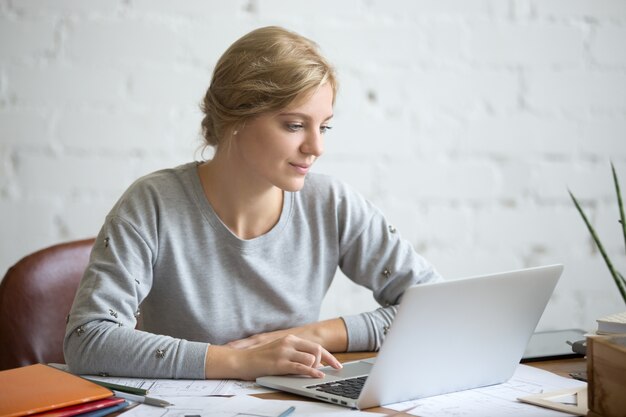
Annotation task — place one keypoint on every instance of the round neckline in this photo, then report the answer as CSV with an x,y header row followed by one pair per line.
x,y
223,231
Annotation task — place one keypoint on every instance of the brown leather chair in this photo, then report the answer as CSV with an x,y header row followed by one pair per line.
x,y
35,297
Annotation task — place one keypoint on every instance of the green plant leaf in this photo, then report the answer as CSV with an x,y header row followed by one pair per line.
x,y
620,204
622,278
619,280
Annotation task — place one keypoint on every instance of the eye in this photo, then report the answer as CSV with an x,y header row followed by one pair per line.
x,y
294,127
324,129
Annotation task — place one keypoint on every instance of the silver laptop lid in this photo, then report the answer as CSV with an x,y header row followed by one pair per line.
x,y
459,334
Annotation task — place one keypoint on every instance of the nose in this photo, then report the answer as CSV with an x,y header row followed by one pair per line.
x,y
313,144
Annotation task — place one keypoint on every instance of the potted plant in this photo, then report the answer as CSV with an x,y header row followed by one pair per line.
x,y
617,276
606,355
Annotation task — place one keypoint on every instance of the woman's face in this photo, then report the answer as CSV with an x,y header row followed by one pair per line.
x,y
278,149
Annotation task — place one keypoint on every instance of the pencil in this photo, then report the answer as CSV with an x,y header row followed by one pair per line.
x,y
142,399
121,388
287,412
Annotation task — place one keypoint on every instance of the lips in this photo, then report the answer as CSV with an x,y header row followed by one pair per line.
x,y
300,168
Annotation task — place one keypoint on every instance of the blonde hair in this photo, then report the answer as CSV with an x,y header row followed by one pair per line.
x,y
263,71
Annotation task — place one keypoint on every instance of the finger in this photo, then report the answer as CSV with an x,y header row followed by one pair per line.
x,y
321,354
329,359
300,369
304,358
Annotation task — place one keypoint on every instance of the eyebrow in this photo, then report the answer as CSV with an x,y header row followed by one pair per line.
x,y
303,115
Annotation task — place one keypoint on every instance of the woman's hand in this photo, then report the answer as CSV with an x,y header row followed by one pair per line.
x,y
264,338
283,355
331,334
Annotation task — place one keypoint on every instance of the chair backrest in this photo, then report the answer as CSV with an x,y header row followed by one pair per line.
x,y
36,295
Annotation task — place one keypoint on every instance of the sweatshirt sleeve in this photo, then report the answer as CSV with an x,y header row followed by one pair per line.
x,y
100,336
375,256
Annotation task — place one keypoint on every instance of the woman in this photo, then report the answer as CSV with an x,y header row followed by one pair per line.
x,y
230,259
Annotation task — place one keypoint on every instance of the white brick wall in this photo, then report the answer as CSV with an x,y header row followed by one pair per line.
x,y
464,120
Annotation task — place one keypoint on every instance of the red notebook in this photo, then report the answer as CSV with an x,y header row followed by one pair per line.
x,y
37,388
73,410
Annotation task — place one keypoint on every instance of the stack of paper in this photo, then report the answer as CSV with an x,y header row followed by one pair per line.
x,y
615,323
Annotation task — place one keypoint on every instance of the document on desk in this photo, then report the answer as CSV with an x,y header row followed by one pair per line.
x,y
242,406
187,387
495,400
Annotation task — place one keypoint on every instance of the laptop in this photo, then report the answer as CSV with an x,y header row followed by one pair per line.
x,y
447,336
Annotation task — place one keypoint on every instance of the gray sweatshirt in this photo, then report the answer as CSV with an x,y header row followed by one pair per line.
x,y
164,254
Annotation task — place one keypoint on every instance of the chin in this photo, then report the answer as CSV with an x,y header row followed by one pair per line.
x,y
292,186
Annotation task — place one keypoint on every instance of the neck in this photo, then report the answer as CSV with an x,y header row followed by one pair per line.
x,y
247,208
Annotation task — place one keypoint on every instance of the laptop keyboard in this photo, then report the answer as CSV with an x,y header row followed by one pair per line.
x,y
349,388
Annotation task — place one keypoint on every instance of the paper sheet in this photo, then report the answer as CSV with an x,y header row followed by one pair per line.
x,y
241,406
187,387
496,400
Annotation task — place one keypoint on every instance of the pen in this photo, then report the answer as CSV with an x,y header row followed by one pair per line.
x,y
121,388
287,412
142,399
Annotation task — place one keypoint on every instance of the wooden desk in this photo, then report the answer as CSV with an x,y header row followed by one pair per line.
x,y
561,367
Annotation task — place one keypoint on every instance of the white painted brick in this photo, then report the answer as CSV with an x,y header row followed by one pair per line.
x,y
427,8
452,118
440,134
204,42
471,260
453,180
26,39
344,297
529,227
372,45
185,128
441,41
554,318
168,87
112,131
407,219
384,135
24,127
551,180
608,228
608,45
603,137
532,135
334,10
351,171
139,167
122,42
6,167
45,7
445,227
521,9
463,90
577,90
191,8
50,176
59,85
529,44
514,179
597,9
488,134
26,227
83,218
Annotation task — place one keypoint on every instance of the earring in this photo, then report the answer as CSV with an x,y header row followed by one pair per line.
x,y
235,132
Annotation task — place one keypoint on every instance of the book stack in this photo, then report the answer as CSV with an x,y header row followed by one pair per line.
x,y
43,391
613,324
